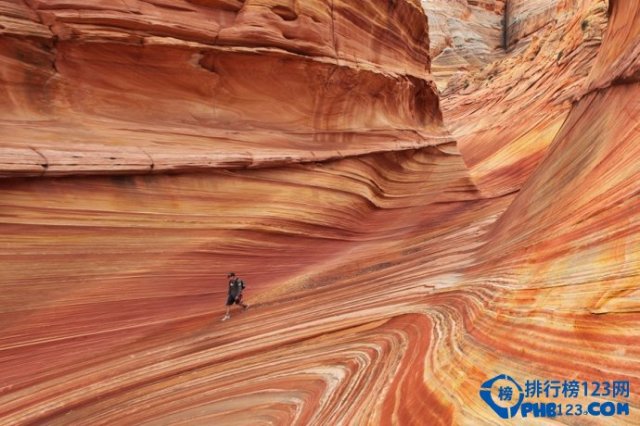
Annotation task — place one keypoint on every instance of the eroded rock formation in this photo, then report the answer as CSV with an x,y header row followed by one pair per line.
x,y
393,265
506,115
465,35
236,84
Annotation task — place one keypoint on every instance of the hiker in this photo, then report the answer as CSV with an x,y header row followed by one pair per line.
x,y
236,287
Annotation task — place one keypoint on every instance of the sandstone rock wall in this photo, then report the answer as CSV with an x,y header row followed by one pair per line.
x,y
389,274
353,173
506,115
525,17
569,244
118,82
590,168
127,274
465,35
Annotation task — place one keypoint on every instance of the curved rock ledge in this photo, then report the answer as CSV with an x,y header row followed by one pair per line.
x,y
389,274
134,87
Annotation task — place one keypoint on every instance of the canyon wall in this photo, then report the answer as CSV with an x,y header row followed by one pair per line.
x,y
563,260
152,86
396,256
465,35
506,115
524,17
305,147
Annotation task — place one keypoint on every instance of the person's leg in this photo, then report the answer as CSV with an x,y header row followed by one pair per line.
x,y
241,303
227,316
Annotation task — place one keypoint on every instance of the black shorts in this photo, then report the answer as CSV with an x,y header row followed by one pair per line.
x,y
233,299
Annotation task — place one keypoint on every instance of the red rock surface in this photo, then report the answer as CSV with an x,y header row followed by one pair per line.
x,y
391,270
112,87
505,116
465,35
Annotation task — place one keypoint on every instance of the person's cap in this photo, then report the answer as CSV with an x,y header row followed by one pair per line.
x,y
231,274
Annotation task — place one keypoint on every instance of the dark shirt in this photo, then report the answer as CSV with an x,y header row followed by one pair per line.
x,y
236,285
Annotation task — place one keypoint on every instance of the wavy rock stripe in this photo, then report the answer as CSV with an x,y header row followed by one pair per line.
x,y
524,18
201,362
569,244
386,287
618,60
148,86
130,261
506,115
464,36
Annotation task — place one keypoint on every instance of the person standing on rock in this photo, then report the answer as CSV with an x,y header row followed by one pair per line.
x,y
236,287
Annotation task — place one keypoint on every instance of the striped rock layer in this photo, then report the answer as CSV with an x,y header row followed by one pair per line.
x,y
395,260
465,35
